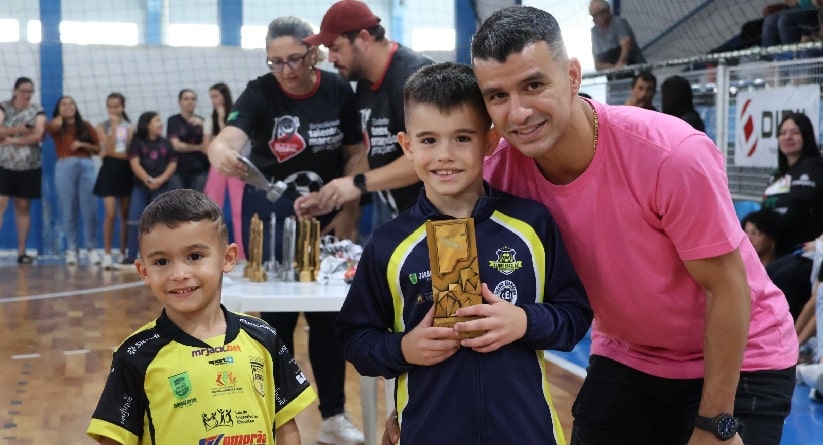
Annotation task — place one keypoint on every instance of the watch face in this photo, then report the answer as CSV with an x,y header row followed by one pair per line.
x,y
726,427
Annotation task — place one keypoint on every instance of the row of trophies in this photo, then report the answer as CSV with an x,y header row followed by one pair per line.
x,y
301,250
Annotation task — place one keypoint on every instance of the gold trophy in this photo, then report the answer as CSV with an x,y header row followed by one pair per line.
x,y
308,249
454,270
254,267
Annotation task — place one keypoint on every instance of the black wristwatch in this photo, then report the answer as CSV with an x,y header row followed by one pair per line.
x,y
360,182
724,426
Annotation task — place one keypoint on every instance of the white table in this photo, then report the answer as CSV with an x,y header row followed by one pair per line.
x,y
241,295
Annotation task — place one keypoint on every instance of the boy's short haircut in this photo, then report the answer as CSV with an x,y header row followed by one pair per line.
x,y
447,85
180,206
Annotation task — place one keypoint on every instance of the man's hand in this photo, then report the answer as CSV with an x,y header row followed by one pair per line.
x,y
391,435
331,196
502,321
426,345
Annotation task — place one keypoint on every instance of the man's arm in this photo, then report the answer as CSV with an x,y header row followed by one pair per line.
x,y
398,173
345,223
625,49
728,311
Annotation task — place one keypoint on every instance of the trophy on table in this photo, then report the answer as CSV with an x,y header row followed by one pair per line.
x,y
454,270
254,268
308,249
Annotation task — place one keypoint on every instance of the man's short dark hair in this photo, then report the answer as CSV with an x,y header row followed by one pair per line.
x,y
647,77
378,32
181,206
448,86
511,29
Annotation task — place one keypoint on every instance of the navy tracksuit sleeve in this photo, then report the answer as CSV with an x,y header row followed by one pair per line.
x,y
565,315
366,319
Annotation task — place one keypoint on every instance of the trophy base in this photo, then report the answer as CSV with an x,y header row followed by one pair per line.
x,y
447,322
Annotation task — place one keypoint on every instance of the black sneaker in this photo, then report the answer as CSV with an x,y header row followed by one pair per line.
x,y
24,259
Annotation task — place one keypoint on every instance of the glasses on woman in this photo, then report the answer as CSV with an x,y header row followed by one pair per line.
x,y
294,62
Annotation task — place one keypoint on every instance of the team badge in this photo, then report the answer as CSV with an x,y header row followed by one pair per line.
x,y
506,262
180,385
413,278
258,380
507,291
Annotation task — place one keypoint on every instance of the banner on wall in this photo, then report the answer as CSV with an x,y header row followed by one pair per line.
x,y
758,116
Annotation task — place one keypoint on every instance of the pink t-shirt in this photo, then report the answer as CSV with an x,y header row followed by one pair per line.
x,y
655,195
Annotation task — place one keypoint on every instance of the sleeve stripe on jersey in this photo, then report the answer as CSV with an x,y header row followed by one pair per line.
x,y
526,232
396,260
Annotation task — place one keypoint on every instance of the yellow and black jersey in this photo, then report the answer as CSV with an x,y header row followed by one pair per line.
x,y
167,387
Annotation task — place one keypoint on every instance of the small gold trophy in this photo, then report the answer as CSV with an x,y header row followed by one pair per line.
x,y
308,249
254,267
454,270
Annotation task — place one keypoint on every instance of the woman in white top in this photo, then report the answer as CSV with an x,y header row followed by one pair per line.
x,y
115,178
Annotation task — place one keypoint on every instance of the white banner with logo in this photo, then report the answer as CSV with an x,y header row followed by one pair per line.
x,y
758,116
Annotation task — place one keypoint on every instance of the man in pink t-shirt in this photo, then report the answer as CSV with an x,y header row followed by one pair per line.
x,y
690,337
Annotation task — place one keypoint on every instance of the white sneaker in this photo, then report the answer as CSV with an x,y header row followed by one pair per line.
x,y
126,264
71,258
94,257
808,374
338,430
108,262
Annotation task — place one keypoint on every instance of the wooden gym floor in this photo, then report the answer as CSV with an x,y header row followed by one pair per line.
x,y
58,327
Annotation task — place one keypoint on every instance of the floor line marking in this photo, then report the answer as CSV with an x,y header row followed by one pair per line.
x,y
24,356
72,293
76,351
565,364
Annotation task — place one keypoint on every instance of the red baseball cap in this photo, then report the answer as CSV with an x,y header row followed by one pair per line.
x,y
343,16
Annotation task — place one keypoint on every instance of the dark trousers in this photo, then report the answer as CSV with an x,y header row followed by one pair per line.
x,y
325,351
620,405
325,355
792,274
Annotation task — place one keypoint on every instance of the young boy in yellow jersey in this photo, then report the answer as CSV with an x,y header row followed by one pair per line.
x,y
198,373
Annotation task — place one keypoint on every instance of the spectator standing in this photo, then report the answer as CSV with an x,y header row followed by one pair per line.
x,y
644,85
676,99
361,52
74,176
21,158
153,162
185,132
114,181
613,43
302,123
217,184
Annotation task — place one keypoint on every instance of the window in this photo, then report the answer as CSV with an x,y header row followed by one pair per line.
x,y
433,39
100,33
184,34
253,36
9,30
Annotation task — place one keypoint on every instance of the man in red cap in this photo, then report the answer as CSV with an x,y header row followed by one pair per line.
x,y
361,52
